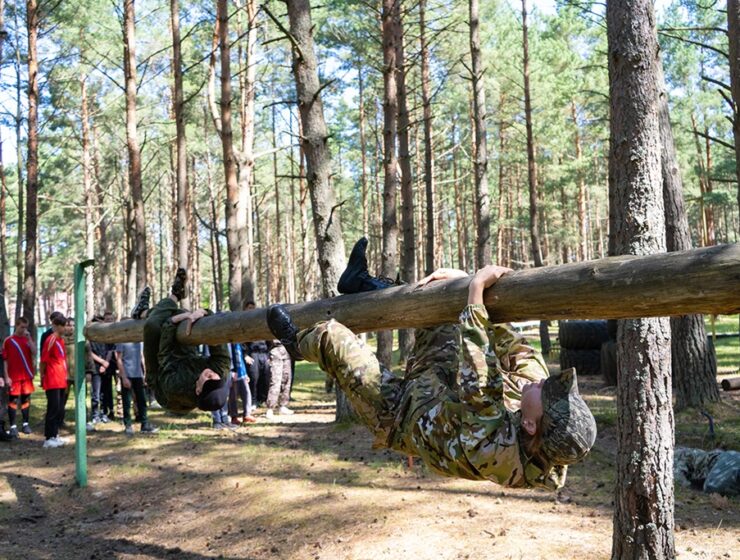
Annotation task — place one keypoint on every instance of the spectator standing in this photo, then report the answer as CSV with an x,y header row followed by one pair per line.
x,y
99,353
240,388
280,376
106,380
130,360
19,352
4,435
257,358
54,381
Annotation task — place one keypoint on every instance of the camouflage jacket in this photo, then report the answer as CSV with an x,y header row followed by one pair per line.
x,y
178,367
473,431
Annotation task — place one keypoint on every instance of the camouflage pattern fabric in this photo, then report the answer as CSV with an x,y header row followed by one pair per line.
x,y
714,471
456,407
174,368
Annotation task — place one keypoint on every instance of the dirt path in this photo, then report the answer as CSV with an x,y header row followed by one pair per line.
x,y
303,487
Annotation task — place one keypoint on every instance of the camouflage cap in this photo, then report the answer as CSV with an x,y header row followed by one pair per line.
x,y
568,427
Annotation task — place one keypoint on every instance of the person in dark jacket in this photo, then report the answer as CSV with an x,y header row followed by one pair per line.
x,y
182,379
257,358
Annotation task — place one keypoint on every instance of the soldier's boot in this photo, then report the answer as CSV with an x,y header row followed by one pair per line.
x,y
282,326
142,304
179,289
356,278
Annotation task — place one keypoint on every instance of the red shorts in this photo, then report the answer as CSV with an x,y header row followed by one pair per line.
x,y
21,387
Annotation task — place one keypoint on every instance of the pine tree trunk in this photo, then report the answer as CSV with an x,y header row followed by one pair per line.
x,y
183,202
482,200
363,150
694,363
134,153
643,517
245,156
89,195
326,218
389,261
733,34
227,146
583,253
408,259
428,142
32,167
4,322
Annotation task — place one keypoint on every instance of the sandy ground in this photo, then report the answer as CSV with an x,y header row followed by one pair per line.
x,y
304,487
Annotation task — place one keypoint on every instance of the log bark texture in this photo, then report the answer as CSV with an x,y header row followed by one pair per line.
x,y
611,288
643,501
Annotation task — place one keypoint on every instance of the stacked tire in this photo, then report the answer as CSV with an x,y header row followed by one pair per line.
x,y
580,345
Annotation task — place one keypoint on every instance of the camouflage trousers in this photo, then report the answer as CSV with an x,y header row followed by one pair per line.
x,y
714,471
384,401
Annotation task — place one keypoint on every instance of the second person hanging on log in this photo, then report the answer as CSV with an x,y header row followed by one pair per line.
x,y
182,379
476,400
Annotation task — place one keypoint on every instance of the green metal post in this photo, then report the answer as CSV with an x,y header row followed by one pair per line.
x,y
80,397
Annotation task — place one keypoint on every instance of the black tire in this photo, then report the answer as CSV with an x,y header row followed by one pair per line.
x,y
582,335
609,362
586,362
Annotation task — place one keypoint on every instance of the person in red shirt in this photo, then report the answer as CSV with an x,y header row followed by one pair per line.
x,y
54,381
19,352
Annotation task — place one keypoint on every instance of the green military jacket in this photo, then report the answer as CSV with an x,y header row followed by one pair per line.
x,y
472,430
177,367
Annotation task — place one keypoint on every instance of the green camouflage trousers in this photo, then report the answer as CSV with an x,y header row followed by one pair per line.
x,y
455,407
714,471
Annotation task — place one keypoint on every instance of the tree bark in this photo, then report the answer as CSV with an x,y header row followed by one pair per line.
x,y
4,322
89,196
227,146
182,221
389,261
245,156
134,153
408,259
314,140
19,173
363,149
32,166
612,288
482,200
643,516
583,245
733,34
694,363
426,101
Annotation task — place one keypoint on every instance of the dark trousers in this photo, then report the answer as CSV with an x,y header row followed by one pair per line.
x,y
240,390
95,394
106,393
54,412
137,388
259,376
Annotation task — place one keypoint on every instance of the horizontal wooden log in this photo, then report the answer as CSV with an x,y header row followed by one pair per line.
x,y
697,281
732,384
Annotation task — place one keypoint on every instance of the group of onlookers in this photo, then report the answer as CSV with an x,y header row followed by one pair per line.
x,y
261,376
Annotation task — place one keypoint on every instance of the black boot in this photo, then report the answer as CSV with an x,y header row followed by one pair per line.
x,y
282,326
4,436
142,304
355,277
178,286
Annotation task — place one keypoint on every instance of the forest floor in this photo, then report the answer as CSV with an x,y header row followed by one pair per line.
x,y
303,487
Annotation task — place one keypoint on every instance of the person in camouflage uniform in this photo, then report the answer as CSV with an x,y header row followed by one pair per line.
x,y
716,471
182,379
475,402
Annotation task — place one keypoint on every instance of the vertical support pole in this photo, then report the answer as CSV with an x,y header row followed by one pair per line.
x,y
80,397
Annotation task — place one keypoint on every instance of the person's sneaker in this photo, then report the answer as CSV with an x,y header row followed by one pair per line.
x,y
282,326
61,440
5,436
355,277
147,428
90,427
178,286
142,304
219,426
13,432
104,418
26,429
129,430
52,442
270,414
285,411
249,419
236,420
